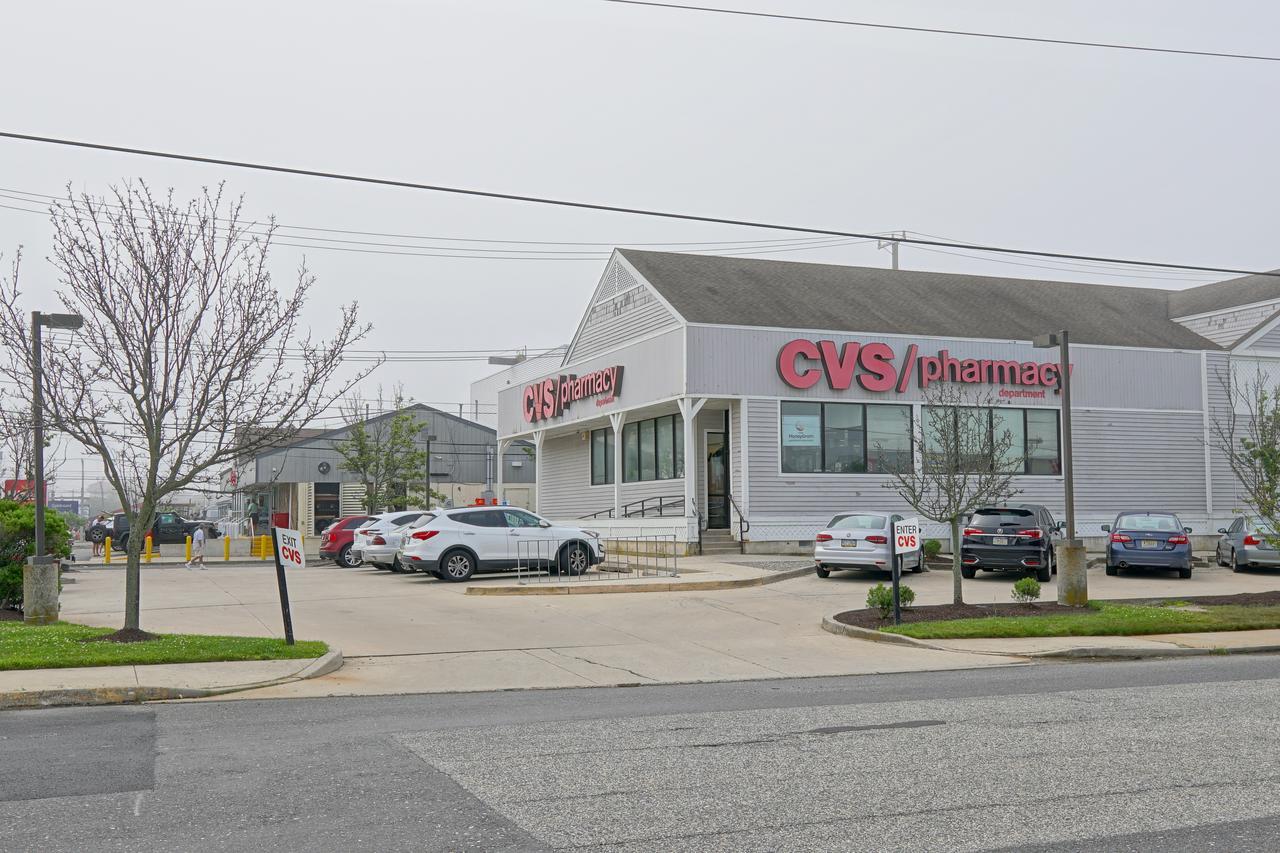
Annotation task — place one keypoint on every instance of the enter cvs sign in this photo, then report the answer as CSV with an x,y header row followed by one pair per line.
x,y
906,535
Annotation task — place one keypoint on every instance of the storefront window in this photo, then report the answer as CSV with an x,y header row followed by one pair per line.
x,y
1033,437
653,449
844,438
601,456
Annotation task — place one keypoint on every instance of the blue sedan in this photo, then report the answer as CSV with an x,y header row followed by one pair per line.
x,y
1148,540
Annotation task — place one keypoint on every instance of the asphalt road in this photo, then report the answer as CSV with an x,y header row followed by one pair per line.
x,y
1164,755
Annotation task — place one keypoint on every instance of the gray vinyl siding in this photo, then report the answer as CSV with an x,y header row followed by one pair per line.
x,y
623,309
1271,340
566,490
1228,496
1226,327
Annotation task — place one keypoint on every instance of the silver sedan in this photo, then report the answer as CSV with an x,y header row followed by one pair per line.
x,y
1246,544
859,540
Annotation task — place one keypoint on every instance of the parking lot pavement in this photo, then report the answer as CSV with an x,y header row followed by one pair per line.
x,y
411,633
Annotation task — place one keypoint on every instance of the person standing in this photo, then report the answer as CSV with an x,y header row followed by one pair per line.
x,y
251,513
100,521
197,547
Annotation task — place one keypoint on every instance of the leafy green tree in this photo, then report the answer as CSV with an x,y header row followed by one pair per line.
x,y
385,453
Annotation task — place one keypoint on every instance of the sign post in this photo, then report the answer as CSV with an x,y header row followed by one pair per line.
x,y
906,539
288,548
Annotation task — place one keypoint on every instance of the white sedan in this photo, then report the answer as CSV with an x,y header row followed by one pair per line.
x,y
859,540
457,543
376,541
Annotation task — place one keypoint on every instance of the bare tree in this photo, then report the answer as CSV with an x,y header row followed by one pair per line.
x,y
186,340
17,455
1248,434
966,462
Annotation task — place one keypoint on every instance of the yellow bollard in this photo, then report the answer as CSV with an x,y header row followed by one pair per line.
x,y
106,551
188,549
226,548
148,547
262,543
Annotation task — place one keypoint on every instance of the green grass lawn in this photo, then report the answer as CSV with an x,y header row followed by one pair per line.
x,y
1099,619
61,645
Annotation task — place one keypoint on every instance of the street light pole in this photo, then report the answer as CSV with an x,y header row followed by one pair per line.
x,y
40,578
37,426
1073,580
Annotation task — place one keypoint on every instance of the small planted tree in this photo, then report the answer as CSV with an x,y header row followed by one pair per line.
x,y
190,356
386,453
1248,434
967,460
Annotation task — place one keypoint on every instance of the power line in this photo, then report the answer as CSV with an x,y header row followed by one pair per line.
x,y
581,205
939,31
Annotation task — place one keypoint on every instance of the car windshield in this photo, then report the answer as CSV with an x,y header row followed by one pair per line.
x,y
857,522
1148,521
997,517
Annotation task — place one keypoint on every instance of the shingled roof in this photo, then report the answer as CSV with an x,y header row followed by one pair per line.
x,y
753,292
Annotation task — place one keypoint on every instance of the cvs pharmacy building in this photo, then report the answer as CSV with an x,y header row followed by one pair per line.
x,y
727,398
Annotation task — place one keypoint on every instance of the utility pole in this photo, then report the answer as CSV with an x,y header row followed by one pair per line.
x,y
1073,582
892,245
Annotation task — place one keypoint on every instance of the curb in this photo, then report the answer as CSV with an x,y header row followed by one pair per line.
x,y
607,587
1076,653
28,699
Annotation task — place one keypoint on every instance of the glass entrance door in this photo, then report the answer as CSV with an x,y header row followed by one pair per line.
x,y
717,482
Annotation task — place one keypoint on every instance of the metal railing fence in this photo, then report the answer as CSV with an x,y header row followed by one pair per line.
x,y
544,560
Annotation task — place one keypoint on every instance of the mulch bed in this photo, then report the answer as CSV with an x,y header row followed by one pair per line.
x,y
124,635
868,618
7,615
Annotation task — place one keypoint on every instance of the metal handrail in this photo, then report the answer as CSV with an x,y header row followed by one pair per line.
x,y
697,514
665,502
744,526
607,513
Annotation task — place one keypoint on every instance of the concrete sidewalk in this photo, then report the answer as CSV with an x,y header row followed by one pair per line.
x,y
101,685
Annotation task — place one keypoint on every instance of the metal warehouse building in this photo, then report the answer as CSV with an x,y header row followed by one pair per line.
x,y
743,397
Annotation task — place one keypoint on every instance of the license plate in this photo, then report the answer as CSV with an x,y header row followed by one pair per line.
x,y
849,543
1150,543
999,540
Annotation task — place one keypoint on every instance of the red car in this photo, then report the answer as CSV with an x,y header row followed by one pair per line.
x,y
335,543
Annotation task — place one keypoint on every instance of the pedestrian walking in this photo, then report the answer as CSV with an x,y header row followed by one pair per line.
x,y
197,547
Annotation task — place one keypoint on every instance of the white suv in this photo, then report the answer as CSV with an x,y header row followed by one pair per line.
x,y
457,543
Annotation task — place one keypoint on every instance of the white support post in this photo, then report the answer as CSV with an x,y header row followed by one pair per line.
x,y
689,408
539,435
616,421
503,445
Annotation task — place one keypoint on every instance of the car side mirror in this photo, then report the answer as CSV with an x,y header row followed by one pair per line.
x,y
1186,530
544,524
1106,528
1222,530
1060,526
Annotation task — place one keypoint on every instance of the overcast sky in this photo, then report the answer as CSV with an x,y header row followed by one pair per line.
x,y
1059,148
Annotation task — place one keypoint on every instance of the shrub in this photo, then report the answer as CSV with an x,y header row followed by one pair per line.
x,y
932,548
1026,590
17,542
880,597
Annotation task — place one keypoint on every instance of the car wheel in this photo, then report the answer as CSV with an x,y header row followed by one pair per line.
x,y
574,559
1184,573
969,572
346,559
1235,562
1112,571
458,566
918,568
1053,563
821,572
1043,574
97,534
396,565
1217,557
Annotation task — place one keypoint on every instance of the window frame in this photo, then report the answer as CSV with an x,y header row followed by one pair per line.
x,y
867,449
1026,459
606,478
675,444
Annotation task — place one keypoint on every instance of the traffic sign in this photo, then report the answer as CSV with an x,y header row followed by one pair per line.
x,y
288,553
906,536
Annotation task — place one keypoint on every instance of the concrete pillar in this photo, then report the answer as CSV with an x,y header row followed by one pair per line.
x,y
1073,583
40,590
503,445
616,421
539,436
